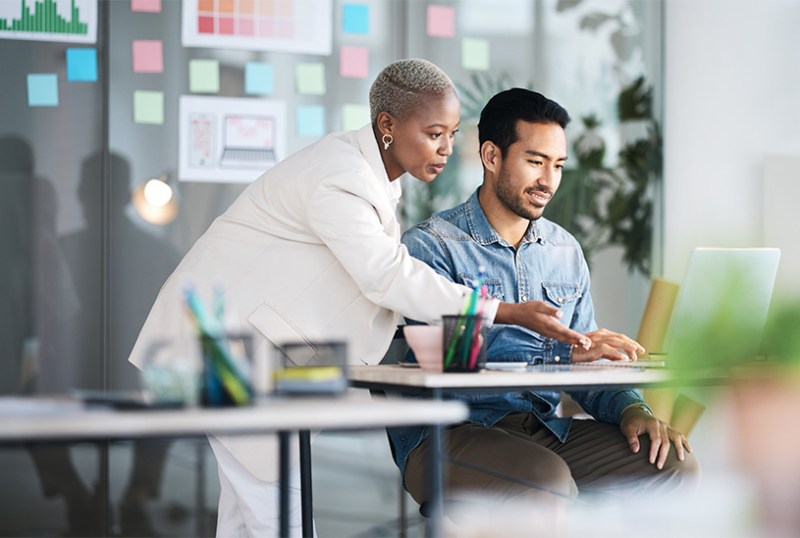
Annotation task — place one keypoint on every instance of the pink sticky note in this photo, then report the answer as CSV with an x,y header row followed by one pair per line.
x,y
148,56
148,6
354,62
441,21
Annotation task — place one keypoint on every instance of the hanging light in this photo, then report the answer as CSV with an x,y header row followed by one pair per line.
x,y
154,201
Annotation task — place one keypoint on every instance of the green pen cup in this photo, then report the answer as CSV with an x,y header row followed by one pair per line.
x,y
227,363
464,342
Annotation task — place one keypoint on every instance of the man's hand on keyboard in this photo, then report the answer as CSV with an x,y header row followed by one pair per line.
x,y
608,345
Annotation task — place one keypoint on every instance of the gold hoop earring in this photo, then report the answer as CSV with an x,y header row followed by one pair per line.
x,y
387,141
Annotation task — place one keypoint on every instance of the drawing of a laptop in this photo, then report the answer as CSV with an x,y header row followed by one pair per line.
x,y
248,141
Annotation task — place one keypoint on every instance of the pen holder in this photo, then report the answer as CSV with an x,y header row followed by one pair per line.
x,y
227,361
464,343
170,375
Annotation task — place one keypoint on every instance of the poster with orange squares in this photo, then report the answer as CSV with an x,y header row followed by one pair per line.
x,y
301,26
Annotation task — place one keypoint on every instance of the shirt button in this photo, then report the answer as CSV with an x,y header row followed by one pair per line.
x,y
557,358
524,298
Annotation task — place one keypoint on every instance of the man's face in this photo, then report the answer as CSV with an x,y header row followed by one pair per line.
x,y
530,173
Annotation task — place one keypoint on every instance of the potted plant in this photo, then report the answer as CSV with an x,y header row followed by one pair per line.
x,y
763,393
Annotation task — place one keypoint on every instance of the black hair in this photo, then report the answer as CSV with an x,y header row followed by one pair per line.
x,y
498,121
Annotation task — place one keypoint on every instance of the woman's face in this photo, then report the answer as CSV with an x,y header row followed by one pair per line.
x,y
423,140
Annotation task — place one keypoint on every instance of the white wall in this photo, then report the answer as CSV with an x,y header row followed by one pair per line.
x,y
731,98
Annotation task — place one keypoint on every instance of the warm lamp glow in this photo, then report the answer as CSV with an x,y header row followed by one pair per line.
x,y
154,201
157,193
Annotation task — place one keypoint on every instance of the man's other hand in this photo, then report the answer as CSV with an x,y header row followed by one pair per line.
x,y
636,421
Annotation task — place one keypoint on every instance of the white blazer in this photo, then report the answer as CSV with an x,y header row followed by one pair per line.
x,y
309,251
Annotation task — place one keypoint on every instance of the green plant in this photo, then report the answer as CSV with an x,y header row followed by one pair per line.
x,y
604,206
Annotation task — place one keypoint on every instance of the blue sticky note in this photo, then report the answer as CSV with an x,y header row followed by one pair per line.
x,y
310,120
355,19
42,89
82,65
258,78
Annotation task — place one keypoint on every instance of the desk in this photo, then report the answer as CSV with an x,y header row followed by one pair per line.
x,y
413,380
38,420
394,377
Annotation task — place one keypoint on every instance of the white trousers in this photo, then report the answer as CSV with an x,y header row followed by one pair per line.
x,y
248,507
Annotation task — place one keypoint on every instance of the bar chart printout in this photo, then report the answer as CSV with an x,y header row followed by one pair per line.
x,y
73,21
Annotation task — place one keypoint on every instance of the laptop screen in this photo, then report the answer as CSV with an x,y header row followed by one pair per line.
x,y
722,306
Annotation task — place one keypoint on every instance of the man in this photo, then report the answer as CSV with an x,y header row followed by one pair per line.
x,y
513,445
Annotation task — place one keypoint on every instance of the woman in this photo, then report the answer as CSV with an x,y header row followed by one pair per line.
x,y
311,251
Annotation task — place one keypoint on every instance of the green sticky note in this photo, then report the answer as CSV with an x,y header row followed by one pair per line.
x,y
148,107
354,117
310,79
204,76
475,54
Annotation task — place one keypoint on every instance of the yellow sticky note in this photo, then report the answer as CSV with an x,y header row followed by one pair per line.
x,y
354,117
148,107
310,79
204,76
475,54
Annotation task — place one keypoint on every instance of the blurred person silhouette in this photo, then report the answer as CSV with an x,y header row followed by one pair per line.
x,y
16,171
36,299
37,294
138,263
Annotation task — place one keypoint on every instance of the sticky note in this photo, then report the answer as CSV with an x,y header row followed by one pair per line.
x,y
147,6
204,76
82,65
354,116
148,56
258,78
310,120
355,19
441,21
148,107
42,89
310,78
354,62
475,54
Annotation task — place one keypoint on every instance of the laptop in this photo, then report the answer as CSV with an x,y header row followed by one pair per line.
x,y
719,313
722,306
248,141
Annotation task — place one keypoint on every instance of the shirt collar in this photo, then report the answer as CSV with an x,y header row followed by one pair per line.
x,y
484,233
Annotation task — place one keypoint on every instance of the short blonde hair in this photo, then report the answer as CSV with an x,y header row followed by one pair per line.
x,y
399,87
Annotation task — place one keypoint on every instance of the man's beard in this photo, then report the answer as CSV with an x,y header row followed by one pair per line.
x,y
513,201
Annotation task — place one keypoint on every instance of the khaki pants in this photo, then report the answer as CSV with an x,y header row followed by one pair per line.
x,y
519,458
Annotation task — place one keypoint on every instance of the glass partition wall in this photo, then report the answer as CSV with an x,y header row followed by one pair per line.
x,y
80,263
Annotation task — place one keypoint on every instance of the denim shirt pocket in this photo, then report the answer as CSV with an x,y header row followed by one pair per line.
x,y
494,286
560,293
563,295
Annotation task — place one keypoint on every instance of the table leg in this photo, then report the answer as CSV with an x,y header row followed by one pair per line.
x,y
283,485
306,501
434,522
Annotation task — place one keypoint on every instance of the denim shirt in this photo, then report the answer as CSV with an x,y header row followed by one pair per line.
x,y
548,266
